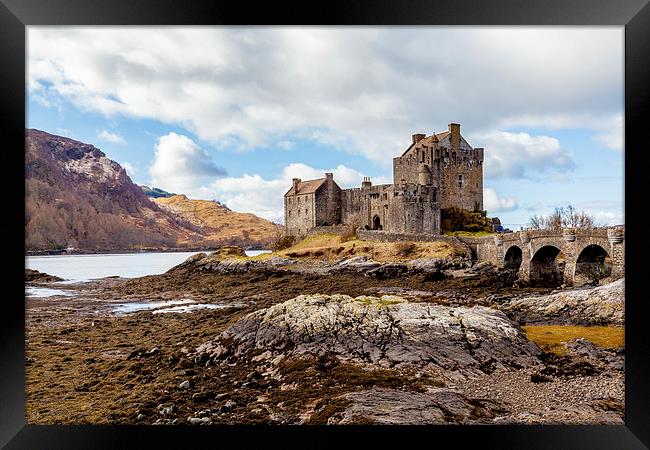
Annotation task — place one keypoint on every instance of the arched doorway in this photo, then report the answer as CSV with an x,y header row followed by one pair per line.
x,y
592,264
376,223
547,266
513,258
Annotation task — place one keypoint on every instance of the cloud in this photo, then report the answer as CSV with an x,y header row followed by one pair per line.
x,y
493,203
361,89
113,138
130,169
180,165
520,155
612,134
609,218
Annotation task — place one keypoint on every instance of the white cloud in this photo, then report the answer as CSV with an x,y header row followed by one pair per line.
x,y
612,134
130,169
363,89
493,203
180,165
113,138
520,155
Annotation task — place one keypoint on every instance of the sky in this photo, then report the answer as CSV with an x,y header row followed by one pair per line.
x,y
234,113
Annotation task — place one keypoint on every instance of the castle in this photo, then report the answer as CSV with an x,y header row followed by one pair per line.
x,y
434,173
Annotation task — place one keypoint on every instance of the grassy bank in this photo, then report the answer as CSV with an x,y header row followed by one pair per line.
x,y
552,337
331,246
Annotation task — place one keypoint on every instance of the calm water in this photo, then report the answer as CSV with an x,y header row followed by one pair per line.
x,y
129,265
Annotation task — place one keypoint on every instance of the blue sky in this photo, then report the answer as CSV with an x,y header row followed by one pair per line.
x,y
234,113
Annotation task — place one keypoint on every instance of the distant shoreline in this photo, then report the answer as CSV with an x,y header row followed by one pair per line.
x,y
117,251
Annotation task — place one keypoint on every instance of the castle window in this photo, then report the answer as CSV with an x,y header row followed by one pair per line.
x,y
460,181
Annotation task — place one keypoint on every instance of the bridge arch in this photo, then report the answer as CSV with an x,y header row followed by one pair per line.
x,y
593,263
547,266
513,257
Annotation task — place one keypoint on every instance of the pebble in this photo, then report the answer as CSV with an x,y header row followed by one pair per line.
x,y
199,420
185,384
140,416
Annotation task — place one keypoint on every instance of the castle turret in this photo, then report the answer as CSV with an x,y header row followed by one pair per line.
x,y
424,175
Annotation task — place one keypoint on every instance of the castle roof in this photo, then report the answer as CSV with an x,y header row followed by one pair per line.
x,y
428,140
307,187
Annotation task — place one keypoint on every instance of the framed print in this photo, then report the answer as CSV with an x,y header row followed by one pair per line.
x,y
385,221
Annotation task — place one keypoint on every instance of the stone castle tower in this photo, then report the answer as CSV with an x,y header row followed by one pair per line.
x,y
435,172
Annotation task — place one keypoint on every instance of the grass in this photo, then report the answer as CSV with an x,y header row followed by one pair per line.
x,y
381,301
552,337
331,246
468,233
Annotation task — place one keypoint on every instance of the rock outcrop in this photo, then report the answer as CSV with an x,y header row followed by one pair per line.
x,y
393,407
34,276
387,331
602,305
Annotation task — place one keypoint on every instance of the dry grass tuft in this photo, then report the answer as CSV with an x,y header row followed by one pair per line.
x,y
552,337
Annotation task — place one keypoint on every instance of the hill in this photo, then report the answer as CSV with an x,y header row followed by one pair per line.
x,y
77,197
218,222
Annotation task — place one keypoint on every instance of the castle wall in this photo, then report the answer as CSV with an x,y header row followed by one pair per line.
x,y
299,213
328,204
461,178
411,209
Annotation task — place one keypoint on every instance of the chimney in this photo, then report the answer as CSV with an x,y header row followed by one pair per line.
x,y
295,185
417,138
454,130
366,182
329,176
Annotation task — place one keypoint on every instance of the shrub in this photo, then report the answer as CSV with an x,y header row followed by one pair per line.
x,y
283,242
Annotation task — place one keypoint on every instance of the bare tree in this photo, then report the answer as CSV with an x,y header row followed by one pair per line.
x,y
564,217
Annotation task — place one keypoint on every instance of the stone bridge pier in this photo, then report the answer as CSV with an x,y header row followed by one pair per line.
x,y
555,257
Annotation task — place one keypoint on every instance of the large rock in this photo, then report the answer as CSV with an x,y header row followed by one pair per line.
x,y
230,261
601,305
393,407
435,264
387,331
34,276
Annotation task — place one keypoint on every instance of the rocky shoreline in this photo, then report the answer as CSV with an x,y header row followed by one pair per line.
x,y
280,340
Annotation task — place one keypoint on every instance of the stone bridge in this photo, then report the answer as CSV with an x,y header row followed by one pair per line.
x,y
555,256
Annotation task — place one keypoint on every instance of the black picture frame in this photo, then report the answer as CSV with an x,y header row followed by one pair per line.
x,y
15,15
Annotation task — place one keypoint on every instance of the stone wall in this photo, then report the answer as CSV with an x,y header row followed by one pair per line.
x,y
408,208
384,236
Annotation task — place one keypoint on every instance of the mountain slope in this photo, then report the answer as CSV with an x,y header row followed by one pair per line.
x,y
218,222
77,197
